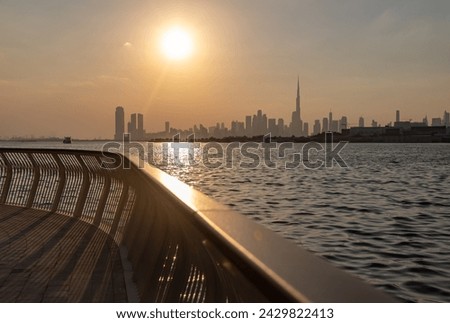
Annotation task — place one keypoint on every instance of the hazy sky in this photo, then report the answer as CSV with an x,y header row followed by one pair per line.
x,y
65,65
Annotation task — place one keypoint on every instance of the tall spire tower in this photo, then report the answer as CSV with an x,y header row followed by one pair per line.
x,y
297,106
296,121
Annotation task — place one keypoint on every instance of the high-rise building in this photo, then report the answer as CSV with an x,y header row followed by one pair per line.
x,y
234,128
296,121
167,127
264,124
361,122
203,132
259,126
140,126
344,123
316,127
237,128
280,127
240,128
248,125
297,100
330,121
120,124
446,119
334,126
397,116
132,126
325,125
306,129
211,131
272,128
254,125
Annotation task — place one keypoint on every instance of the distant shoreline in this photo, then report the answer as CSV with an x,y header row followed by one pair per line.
x,y
320,138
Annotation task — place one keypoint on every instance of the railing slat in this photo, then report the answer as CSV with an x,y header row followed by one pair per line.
x,y
36,177
104,195
122,201
61,181
84,188
7,183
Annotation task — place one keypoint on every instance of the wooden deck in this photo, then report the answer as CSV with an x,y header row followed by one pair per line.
x,y
49,257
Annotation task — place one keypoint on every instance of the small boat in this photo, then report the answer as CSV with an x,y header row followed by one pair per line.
x,y
67,140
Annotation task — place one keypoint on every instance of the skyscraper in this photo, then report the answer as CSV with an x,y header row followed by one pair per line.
x,y
140,126
120,124
272,126
325,125
264,124
132,126
297,101
296,123
344,123
397,116
280,127
248,125
306,129
335,126
446,119
167,127
330,121
316,127
259,124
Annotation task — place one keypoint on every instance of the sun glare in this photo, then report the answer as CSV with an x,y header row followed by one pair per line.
x,y
176,43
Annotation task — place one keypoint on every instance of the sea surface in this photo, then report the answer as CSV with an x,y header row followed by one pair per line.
x,y
385,217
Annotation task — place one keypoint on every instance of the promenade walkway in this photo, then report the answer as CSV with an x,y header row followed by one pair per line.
x,y
49,257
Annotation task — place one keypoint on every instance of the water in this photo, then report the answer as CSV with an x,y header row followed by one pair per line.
x,y
386,218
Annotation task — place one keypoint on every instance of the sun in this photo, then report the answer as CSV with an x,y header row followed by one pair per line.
x,y
176,43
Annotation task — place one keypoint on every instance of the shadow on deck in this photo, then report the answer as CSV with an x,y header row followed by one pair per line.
x,y
49,257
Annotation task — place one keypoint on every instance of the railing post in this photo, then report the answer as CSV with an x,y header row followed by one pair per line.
x,y
84,188
104,195
36,176
119,211
8,179
62,181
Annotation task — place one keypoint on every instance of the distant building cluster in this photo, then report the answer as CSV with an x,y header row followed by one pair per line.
x,y
135,126
438,126
259,124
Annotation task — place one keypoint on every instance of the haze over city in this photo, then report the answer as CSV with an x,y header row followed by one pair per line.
x,y
65,66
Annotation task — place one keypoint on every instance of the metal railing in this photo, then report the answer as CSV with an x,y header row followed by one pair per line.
x,y
72,183
182,245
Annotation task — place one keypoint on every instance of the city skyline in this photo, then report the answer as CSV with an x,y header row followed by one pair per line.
x,y
64,65
260,124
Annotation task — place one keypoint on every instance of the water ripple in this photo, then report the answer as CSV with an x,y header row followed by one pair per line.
x,y
385,219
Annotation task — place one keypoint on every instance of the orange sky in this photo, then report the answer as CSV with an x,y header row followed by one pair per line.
x,y
66,65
